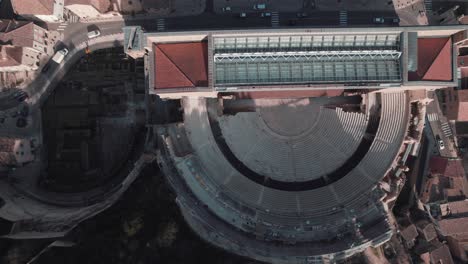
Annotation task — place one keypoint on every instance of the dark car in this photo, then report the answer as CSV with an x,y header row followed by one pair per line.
x,y
45,68
20,96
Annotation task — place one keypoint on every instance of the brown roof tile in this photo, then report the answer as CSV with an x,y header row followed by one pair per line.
x,y
17,33
7,144
441,255
35,7
10,56
179,65
457,227
447,167
457,208
434,60
409,233
101,5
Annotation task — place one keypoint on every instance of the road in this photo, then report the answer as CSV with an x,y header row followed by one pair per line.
x,y
254,20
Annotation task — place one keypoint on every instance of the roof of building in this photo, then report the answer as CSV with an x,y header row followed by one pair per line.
x,y
35,7
457,208
409,233
441,255
298,59
7,157
434,60
181,65
427,230
18,33
6,144
101,5
10,56
456,227
447,167
462,106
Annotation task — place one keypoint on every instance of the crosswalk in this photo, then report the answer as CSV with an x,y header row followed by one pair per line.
x,y
275,19
161,24
62,26
428,4
432,117
446,129
343,18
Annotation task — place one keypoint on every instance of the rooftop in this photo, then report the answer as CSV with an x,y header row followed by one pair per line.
x,y
409,233
18,33
181,65
457,208
35,7
434,60
10,56
456,227
447,167
101,5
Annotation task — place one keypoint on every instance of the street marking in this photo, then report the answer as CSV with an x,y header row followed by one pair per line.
x,y
428,4
62,26
446,129
161,24
274,19
432,117
343,18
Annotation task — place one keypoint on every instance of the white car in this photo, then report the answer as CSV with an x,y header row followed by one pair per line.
x,y
94,34
441,144
60,55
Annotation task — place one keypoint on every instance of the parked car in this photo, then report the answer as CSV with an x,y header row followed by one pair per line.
x,y
243,15
267,14
93,34
20,96
60,55
440,142
45,68
227,9
379,20
259,6
395,20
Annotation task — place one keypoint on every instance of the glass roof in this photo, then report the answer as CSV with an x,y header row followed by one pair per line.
x,y
306,59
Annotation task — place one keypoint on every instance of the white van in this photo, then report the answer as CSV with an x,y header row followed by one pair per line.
x,y
94,34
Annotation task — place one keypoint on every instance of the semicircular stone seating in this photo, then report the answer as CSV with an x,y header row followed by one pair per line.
x,y
331,139
321,140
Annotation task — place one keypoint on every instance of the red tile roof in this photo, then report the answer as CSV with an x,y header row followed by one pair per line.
x,y
409,233
34,7
18,33
447,167
181,65
441,255
456,227
10,56
434,60
101,5
456,208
